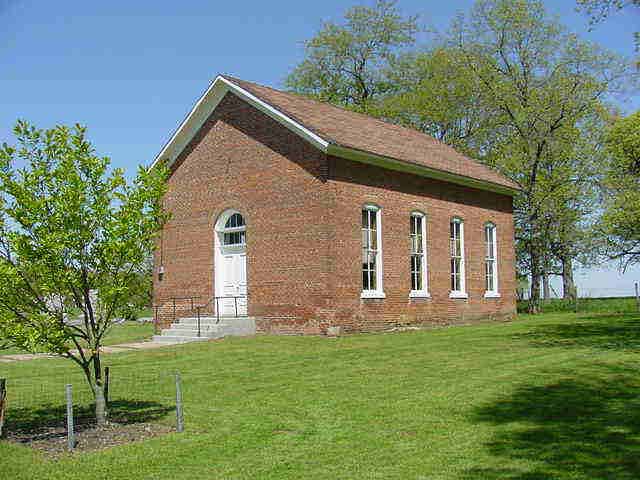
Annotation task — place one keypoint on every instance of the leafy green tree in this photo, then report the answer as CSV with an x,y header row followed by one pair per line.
x,y
599,10
434,93
545,85
344,64
621,218
74,235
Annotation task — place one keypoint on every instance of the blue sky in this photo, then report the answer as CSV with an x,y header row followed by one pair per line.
x,y
131,70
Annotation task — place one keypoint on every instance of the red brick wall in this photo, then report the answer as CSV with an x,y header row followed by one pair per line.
x,y
242,159
399,194
303,231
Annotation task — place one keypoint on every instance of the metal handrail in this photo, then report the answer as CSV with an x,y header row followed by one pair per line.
x,y
172,301
199,308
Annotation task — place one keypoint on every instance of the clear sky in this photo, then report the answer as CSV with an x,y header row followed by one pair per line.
x,y
131,70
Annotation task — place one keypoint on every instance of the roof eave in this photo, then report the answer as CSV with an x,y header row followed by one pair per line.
x,y
207,103
389,163
218,88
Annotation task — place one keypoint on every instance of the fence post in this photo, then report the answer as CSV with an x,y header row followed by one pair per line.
x,y
71,438
179,413
638,296
106,386
3,403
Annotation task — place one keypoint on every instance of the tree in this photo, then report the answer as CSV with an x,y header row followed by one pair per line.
x,y
344,63
621,219
545,85
599,10
73,235
434,93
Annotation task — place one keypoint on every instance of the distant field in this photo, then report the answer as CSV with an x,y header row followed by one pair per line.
x,y
126,332
556,396
586,305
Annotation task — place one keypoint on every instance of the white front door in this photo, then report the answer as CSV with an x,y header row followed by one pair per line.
x,y
234,282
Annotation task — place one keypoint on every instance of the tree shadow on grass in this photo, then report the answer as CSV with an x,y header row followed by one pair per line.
x,y
573,428
603,332
43,421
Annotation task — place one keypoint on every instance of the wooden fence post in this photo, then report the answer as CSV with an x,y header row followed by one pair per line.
x,y
638,296
106,386
71,437
179,413
3,403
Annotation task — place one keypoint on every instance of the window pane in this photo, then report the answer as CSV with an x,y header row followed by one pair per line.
x,y
418,272
455,274
365,216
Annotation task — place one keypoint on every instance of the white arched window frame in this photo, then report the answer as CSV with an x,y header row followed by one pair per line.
x,y
234,231
418,256
372,252
458,287
491,260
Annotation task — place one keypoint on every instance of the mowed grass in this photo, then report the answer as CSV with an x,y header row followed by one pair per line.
x,y
126,332
551,397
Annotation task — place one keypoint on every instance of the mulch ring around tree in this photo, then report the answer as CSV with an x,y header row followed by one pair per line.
x,y
52,441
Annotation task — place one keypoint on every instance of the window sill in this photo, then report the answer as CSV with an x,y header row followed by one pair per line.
x,y
419,294
458,295
372,294
491,295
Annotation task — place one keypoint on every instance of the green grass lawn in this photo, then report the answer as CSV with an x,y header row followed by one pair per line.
x,y
126,332
551,397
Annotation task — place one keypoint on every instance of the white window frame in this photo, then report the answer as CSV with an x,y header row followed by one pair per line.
x,y
378,292
224,230
424,292
462,292
494,293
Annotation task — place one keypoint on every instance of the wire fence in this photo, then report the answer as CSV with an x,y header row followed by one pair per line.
x,y
598,299
58,412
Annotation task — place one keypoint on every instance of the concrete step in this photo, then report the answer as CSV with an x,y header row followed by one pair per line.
x,y
178,339
213,320
193,326
192,332
186,329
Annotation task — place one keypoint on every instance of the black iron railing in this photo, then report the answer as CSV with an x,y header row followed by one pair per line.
x,y
199,308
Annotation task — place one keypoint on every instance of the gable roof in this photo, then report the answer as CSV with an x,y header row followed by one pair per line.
x,y
343,133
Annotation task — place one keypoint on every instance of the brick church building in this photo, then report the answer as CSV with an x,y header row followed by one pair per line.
x,y
303,216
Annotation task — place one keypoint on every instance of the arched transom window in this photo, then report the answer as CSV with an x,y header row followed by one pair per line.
x,y
234,231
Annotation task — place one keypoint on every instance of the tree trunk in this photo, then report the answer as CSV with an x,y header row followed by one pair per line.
x,y
97,386
534,297
568,286
101,407
546,287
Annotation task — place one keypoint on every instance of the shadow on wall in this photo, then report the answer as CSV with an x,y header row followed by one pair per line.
x,y
585,424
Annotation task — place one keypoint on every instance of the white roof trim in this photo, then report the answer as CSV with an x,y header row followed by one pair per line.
x,y
210,99
207,103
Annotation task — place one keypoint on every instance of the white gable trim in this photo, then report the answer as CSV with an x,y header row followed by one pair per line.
x,y
208,102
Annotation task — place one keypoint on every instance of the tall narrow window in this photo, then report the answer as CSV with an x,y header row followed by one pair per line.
x,y
418,256
371,253
457,259
490,260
